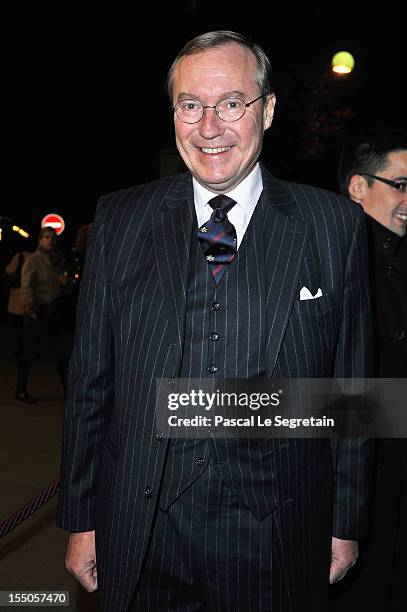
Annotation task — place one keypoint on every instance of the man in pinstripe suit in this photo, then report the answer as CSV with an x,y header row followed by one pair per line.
x,y
213,524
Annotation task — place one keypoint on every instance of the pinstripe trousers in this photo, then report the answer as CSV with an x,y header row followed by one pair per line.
x,y
208,552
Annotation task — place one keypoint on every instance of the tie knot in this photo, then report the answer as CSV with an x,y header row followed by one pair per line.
x,y
222,202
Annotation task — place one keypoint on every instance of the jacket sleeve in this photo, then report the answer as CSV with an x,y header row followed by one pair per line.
x,y
28,281
90,388
351,456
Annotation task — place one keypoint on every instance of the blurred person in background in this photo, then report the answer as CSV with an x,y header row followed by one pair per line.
x,y
373,172
41,280
15,307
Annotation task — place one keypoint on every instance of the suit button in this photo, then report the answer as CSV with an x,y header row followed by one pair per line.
x,y
214,336
400,334
171,381
200,461
158,437
212,369
389,270
387,243
215,306
148,492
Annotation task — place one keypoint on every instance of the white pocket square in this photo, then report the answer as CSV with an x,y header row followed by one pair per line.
x,y
305,294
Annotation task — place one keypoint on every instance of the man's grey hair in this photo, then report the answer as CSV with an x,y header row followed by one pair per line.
x,y
211,40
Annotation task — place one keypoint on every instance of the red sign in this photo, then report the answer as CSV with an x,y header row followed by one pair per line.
x,y
55,221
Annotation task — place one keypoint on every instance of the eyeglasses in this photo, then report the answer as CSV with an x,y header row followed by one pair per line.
x,y
228,109
400,184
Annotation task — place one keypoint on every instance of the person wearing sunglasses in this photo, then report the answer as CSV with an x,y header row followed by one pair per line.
x,y
373,172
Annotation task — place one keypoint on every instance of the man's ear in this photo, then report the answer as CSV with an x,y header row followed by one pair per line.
x,y
357,188
269,110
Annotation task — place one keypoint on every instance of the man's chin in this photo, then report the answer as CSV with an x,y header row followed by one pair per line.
x,y
399,228
215,182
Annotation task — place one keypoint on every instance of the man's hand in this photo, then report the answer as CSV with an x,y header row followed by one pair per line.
x,y
344,554
80,559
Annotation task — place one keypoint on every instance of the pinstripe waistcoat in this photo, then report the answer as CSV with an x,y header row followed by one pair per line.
x,y
234,311
131,331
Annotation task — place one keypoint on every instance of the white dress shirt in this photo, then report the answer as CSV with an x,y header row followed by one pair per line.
x,y
246,195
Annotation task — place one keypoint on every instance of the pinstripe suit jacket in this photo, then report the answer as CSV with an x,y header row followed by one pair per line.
x,y
130,331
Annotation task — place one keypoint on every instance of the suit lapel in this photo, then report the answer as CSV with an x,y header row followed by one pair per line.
x,y
172,228
285,236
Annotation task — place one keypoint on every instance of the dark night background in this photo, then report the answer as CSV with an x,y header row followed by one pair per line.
x,y
87,112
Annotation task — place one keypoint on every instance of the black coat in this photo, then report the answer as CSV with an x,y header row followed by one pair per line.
x,y
130,333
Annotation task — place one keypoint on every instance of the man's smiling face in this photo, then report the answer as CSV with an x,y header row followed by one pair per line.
x,y
221,154
383,202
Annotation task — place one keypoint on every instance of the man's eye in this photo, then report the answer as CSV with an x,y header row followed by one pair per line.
x,y
234,104
189,105
401,186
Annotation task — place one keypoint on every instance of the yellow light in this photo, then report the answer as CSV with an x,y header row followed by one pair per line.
x,y
343,62
20,231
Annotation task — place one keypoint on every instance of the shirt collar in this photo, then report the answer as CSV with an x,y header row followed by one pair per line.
x,y
246,194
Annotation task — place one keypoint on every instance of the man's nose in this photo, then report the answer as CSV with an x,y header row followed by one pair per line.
x,y
211,126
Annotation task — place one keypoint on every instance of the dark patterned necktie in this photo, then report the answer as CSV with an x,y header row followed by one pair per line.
x,y
218,237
